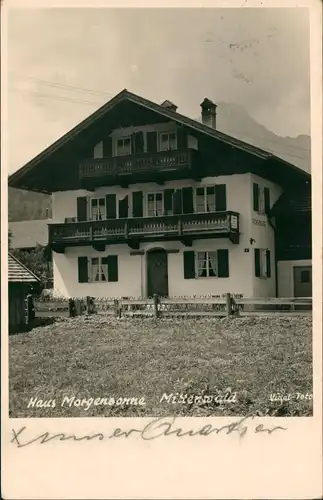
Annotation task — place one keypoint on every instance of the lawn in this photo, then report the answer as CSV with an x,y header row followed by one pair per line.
x,y
248,359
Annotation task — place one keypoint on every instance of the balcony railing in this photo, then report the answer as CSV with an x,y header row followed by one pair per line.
x,y
199,225
139,163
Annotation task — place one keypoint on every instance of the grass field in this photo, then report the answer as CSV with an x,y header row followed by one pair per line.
x,y
101,357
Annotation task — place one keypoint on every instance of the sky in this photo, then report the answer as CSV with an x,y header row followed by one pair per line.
x,y
256,58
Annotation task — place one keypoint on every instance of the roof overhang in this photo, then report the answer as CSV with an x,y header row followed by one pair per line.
x,y
54,168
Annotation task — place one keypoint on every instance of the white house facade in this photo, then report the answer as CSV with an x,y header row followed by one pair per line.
x,y
146,201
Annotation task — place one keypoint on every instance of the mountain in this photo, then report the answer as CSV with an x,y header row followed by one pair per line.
x,y
235,121
232,119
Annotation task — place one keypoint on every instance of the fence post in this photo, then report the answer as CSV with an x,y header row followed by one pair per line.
x,y
71,308
88,305
228,304
117,309
156,311
28,310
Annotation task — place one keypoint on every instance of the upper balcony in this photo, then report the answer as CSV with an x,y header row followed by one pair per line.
x,y
184,228
138,167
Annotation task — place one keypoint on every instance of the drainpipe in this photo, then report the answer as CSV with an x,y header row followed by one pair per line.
x,y
276,265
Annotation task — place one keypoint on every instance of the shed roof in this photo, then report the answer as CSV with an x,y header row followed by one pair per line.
x,y
18,273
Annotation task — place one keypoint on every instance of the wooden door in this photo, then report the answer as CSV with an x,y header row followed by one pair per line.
x,y
157,273
303,281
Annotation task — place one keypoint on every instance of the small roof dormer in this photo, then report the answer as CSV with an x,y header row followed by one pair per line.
x,y
169,105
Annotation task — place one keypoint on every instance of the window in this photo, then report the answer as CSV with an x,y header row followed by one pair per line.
x,y
99,269
205,199
97,208
155,204
167,141
124,146
262,263
206,263
261,199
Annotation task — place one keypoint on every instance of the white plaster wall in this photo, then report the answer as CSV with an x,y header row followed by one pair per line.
x,y
286,276
132,273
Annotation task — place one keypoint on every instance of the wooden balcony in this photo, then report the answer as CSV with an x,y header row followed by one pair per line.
x,y
93,171
134,231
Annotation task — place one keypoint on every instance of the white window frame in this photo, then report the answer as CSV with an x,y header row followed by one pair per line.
x,y
154,193
101,271
205,211
208,268
261,200
120,153
167,132
263,262
97,198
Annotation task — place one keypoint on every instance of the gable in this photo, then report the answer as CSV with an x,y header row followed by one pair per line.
x,y
56,168
18,273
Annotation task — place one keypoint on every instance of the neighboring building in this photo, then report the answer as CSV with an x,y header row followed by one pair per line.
x,y
27,234
146,200
20,281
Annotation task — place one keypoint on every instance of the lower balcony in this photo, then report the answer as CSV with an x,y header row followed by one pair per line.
x,y
184,228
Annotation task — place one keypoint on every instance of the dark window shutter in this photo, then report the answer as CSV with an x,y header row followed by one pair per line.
x,y
82,208
181,138
107,147
123,208
267,200
111,206
257,262
178,201
220,198
151,142
268,264
112,267
255,197
168,201
223,263
83,270
137,204
187,194
189,265
138,142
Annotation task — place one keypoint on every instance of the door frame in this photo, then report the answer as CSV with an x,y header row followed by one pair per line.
x,y
148,252
293,276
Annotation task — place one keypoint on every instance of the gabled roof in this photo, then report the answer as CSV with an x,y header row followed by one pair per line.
x,y
18,273
125,95
29,233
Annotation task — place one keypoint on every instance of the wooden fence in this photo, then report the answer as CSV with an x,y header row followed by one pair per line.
x,y
157,307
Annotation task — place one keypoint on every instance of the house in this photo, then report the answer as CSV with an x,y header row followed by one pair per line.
x,y
146,200
20,281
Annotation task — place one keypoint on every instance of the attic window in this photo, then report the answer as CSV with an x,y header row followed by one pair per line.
x,y
124,146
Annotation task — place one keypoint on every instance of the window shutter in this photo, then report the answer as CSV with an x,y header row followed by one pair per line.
x,y
257,262
111,206
187,194
255,197
107,147
81,208
138,142
112,267
189,265
178,201
168,201
83,270
123,208
220,198
267,200
268,264
151,142
137,204
223,263
181,138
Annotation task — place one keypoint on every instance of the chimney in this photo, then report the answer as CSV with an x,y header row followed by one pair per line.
x,y
208,113
47,213
169,105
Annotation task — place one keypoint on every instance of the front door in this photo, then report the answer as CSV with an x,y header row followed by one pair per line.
x,y
303,281
157,273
